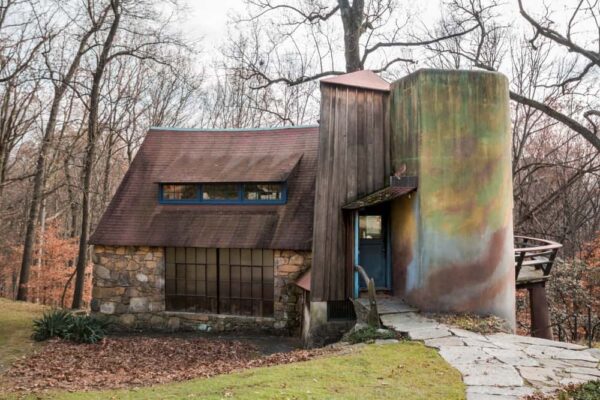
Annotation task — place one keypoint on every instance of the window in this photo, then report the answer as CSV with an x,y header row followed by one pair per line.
x,y
179,192
263,191
220,281
220,193
370,227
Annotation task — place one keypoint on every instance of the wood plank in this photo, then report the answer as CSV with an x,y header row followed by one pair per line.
x,y
361,165
352,152
386,137
319,276
337,184
370,149
378,151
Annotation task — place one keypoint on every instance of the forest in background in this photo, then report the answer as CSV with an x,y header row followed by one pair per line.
x,y
81,81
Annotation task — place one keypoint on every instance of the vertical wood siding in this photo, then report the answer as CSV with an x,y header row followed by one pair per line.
x,y
353,161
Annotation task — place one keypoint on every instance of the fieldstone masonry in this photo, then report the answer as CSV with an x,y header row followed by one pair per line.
x,y
128,287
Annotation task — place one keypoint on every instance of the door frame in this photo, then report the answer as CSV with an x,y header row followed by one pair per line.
x,y
388,245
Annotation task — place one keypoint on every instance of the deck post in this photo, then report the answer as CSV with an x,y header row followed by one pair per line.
x,y
540,315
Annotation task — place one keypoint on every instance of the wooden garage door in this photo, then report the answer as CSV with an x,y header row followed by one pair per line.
x,y
220,281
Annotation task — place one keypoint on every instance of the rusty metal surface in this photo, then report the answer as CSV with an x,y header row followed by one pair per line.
x,y
304,281
380,196
211,167
453,242
135,217
361,79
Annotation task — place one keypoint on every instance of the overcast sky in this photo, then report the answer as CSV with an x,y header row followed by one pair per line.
x,y
208,18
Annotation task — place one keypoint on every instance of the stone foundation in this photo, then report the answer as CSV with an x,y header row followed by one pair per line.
x,y
128,287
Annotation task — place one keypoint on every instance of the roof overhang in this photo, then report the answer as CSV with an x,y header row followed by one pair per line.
x,y
398,187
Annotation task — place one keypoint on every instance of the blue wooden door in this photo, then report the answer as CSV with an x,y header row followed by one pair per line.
x,y
373,248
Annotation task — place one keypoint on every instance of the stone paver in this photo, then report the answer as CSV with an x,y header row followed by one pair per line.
x,y
501,366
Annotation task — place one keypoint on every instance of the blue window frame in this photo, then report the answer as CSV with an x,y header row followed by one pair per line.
x,y
223,193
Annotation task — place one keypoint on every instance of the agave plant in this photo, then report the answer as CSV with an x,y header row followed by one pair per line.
x,y
54,323
87,329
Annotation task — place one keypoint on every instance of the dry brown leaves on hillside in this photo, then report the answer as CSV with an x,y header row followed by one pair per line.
x,y
138,361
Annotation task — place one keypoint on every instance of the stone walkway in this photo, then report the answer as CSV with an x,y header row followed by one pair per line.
x,y
501,366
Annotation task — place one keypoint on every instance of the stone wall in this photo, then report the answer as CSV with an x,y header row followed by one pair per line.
x,y
129,289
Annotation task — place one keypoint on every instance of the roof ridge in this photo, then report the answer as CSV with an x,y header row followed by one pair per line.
x,y
272,128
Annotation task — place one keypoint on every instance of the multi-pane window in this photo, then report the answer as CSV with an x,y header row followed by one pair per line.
x,y
179,192
220,193
263,191
225,281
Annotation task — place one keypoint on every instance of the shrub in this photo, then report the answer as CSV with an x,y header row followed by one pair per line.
x,y
86,329
587,391
62,324
368,334
53,323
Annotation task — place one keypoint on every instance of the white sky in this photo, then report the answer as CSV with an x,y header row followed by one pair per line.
x,y
208,18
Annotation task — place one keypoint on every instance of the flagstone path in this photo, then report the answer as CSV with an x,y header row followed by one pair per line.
x,y
501,366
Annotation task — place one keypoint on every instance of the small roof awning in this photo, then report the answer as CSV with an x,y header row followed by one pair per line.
x,y
386,194
304,281
272,167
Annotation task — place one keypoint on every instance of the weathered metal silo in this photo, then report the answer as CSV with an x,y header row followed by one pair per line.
x,y
452,240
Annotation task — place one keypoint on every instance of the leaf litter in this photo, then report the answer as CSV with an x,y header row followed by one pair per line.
x,y
125,362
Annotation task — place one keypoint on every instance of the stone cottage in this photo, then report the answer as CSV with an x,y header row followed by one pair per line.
x,y
262,229
209,230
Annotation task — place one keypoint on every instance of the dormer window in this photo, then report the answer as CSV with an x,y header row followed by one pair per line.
x,y
179,192
220,192
223,193
263,191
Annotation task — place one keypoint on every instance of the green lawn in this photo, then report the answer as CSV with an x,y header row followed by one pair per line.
x,y
394,371
15,329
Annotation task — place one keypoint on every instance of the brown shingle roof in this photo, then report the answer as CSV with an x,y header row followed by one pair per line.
x,y
254,167
135,217
362,79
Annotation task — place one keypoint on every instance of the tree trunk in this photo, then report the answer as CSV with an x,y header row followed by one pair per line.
x,y
107,165
36,196
40,166
352,19
89,156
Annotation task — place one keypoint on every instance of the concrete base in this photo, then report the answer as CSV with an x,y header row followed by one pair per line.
x,y
320,331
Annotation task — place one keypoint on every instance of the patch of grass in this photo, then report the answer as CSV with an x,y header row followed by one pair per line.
x,y
587,391
368,334
406,371
16,324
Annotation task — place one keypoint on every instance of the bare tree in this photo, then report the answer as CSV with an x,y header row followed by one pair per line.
x,y
134,30
375,34
61,81
586,62
92,133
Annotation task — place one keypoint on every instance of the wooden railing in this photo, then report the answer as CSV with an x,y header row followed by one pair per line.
x,y
536,256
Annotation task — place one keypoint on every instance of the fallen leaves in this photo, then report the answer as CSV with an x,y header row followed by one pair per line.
x,y
475,323
138,361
